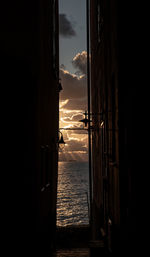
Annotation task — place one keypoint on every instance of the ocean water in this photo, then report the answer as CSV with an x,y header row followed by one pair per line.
x,y
73,194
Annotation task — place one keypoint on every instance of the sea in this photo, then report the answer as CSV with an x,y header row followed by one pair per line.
x,y
72,194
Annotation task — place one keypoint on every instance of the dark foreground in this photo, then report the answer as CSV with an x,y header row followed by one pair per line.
x,y
74,241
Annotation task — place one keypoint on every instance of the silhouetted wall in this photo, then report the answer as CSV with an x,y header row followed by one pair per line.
x,y
29,123
113,68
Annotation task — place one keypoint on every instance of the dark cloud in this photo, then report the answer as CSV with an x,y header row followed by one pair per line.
x,y
80,62
62,66
77,117
74,87
65,26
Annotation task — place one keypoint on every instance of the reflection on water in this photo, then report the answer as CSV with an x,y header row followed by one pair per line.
x,y
72,193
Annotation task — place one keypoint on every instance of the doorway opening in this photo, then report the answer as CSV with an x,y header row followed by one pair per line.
x,y
73,190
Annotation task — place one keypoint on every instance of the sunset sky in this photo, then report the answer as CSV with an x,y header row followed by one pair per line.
x,y
73,97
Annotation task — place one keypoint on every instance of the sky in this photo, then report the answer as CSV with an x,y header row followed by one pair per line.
x,y
70,45
73,97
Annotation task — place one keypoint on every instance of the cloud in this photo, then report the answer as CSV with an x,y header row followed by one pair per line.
x,y
77,156
74,87
80,62
77,117
79,132
67,119
62,66
73,102
65,27
76,140
76,104
63,103
74,118
75,148
76,144
71,122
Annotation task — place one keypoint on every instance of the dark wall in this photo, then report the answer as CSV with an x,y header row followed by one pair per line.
x,y
130,100
116,144
29,121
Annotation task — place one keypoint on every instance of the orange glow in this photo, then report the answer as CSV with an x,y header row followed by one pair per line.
x,y
76,147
